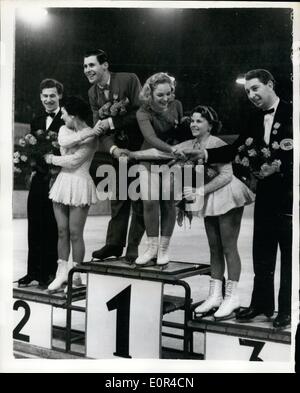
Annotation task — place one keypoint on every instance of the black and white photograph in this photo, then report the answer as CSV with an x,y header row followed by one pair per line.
x,y
149,188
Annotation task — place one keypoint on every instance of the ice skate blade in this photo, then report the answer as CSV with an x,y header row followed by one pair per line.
x,y
229,316
205,314
149,263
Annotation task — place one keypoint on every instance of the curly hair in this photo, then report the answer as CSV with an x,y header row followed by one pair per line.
x,y
210,115
76,106
152,82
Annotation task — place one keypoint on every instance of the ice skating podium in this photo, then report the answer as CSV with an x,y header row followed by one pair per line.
x,y
123,310
256,340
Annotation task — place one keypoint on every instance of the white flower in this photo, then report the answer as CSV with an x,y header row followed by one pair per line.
x,y
245,161
275,145
237,159
23,158
241,148
39,132
17,170
16,154
27,137
266,152
16,160
249,141
252,153
22,142
32,140
276,125
55,144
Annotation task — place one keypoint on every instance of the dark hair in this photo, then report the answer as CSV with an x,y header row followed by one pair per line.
x,y
50,83
76,106
263,75
99,53
210,115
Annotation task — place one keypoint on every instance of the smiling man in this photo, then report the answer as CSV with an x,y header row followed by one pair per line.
x,y
42,228
270,127
121,90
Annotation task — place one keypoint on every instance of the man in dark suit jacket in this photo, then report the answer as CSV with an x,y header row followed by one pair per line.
x,y
42,228
274,197
121,132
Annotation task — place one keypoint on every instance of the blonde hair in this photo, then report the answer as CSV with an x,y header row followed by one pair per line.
x,y
152,82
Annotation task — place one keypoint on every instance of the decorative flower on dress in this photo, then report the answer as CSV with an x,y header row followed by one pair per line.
x,y
31,149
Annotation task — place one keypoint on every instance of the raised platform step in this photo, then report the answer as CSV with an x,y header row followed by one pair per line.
x,y
57,299
117,266
29,351
260,328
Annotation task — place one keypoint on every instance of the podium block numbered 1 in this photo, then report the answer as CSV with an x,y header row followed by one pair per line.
x,y
32,323
124,317
223,347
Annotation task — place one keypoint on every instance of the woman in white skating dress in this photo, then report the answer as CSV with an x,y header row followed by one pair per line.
x,y
73,190
224,199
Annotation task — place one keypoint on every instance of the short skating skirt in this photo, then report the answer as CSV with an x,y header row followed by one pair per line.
x,y
234,194
73,190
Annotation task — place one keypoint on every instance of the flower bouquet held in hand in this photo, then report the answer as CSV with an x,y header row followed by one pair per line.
x,y
30,150
256,161
113,108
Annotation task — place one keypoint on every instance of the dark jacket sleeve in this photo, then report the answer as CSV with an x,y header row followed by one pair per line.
x,y
225,153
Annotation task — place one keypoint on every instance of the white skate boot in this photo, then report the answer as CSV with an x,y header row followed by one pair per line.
x,y
231,302
214,299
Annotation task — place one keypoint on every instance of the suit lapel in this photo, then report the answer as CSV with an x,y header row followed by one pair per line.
x,y
279,117
55,124
113,88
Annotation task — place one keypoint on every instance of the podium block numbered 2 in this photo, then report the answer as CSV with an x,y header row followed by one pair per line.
x,y
32,323
124,317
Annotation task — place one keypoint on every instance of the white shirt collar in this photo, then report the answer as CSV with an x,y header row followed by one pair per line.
x,y
56,110
275,105
107,83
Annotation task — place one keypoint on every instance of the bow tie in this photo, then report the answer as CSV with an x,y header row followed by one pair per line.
x,y
51,114
104,87
268,111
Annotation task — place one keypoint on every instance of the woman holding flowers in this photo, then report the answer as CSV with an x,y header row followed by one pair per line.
x,y
224,200
73,190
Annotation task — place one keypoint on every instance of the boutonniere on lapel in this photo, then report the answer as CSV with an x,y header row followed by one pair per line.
x,y
286,144
275,128
112,109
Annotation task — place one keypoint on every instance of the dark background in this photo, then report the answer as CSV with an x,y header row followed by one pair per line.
x,y
206,50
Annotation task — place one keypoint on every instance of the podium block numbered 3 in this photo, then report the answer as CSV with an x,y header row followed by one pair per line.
x,y
124,317
220,346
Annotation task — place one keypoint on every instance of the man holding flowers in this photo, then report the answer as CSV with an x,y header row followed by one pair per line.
x,y
265,149
42,227
114,100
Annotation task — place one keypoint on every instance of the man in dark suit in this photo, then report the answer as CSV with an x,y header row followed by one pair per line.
x,y
121,132
42,228
274,197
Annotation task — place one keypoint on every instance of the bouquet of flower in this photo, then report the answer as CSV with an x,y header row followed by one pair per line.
x,y
112,109
252,158
30,151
